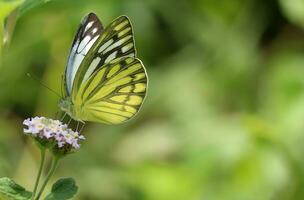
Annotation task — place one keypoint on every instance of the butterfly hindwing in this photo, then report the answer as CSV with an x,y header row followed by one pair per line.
x,y
114,42
114,93
88,32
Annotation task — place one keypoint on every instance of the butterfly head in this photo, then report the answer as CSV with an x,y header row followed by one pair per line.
x,y
66,105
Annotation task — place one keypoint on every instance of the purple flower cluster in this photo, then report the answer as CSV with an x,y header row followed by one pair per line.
x,y
53,130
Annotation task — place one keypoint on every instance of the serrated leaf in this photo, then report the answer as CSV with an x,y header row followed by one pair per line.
x,y
63,189
12,190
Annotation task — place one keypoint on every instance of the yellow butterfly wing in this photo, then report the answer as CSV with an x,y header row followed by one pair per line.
x,y
114,93
115,41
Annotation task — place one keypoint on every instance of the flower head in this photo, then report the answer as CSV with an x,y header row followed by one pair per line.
x,y
49,131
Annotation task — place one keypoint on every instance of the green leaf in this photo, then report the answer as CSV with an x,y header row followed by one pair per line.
x,y
12,190
6,7
63,189
29,4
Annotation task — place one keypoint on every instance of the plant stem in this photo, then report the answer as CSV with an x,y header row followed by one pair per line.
x,y
39,172
51,172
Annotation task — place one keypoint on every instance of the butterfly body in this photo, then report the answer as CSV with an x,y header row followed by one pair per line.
x,y
104,81
67,106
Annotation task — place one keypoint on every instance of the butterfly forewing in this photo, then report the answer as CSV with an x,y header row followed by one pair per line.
x,y
116,41
114,93
88,32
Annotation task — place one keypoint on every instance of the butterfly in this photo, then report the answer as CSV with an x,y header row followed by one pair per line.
x,y
104,81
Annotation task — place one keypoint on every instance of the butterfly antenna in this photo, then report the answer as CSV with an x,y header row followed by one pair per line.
x,y
44,85
62,85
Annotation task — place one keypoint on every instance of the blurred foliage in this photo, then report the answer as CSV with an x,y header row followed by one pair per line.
x,y
224,114
294,10
10,10
6,7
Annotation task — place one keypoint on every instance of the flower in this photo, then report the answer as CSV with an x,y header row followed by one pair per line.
x,y
49,131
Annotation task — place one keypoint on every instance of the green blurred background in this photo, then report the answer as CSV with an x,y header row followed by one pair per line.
x,y
223,119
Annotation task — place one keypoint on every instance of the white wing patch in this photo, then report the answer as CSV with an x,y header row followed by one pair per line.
x,y
83,44
87,34
91,68
89,25
76,61
112,56
116,44
127,47
105,45
81,51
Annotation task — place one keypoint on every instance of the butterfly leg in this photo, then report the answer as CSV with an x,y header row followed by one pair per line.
x,y
70,120
62,118
77,126
83,124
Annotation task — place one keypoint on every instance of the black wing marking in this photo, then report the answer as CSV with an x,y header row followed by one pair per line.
x,y
116,41
88,32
